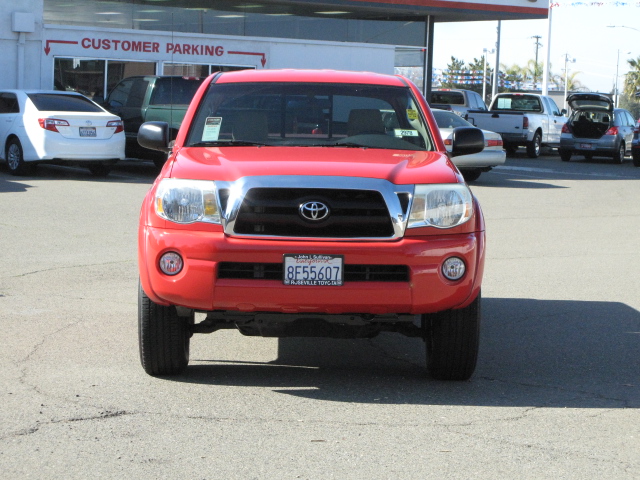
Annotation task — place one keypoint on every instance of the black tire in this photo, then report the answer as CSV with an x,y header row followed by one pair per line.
x,y
510,150
471,174
618,157
452,339
565,155
100,170
15,159
636,159
163,337
159,161
534,146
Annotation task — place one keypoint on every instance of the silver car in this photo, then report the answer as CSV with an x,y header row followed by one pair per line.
x,y
471,166
596,129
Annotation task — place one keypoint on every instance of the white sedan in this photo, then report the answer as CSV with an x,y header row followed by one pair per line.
x,y
38,126
471,166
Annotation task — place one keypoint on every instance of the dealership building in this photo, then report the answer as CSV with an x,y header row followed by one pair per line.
x,y
88,46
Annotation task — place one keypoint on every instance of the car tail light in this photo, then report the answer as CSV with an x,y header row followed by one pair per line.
x,y
447,141
116,123
612,131
52,124
494,143
525,122
566,128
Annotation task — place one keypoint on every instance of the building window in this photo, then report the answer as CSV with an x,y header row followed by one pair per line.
x,y
232,17
195,70
95,78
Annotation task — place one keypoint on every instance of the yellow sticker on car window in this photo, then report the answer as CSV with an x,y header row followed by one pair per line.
x,y
412,114
211,131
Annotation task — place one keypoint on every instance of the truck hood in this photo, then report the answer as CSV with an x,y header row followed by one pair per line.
x,y
400,167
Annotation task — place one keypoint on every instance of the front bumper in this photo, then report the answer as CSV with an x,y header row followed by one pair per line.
x,y
198,287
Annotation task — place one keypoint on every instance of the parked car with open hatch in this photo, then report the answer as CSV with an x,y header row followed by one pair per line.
x,y
596,129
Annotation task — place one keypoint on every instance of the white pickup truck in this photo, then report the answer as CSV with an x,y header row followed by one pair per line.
x,y
523,119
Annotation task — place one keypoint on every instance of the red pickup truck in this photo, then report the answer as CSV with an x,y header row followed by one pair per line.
x,y
310,203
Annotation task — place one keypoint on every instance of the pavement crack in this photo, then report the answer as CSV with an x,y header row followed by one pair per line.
x,y
104,415
67,267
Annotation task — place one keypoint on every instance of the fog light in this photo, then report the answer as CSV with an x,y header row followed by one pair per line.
x,y
453,268
171,263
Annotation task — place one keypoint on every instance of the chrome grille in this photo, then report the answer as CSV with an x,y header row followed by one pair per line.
x,y
275,212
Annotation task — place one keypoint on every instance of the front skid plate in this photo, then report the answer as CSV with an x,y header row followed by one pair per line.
x,y
310,325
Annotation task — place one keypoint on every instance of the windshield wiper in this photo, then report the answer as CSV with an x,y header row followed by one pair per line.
x,y
231,143
350,144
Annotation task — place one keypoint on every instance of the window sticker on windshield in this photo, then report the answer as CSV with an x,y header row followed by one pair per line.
x,y
412,114
401,132
211,130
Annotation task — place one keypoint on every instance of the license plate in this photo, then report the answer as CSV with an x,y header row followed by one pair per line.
x,y
314,270
87,131
586,146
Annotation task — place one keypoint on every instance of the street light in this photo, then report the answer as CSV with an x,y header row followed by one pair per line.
x,y
485,51
566,77
617,65
623,26
618,62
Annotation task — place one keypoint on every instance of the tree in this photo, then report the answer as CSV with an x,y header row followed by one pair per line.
x,y
453,69
533,72
632,80
573,85
513,77
467,76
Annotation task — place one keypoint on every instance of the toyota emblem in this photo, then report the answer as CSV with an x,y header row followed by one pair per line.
x,y
314,211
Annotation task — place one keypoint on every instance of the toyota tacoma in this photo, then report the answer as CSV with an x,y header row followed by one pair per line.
x,y
310,203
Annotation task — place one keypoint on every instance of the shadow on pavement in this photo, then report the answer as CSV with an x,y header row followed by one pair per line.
x,y
126,171
534,353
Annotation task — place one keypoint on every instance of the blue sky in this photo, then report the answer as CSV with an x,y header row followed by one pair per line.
x,y
580,31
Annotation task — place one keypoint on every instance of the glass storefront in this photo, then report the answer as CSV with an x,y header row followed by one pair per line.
x,y
227,17
96,78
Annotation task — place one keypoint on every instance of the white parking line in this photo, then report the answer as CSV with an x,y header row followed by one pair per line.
x,y
557,172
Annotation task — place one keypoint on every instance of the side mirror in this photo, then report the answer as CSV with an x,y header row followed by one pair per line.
x,y
563,112
155,136
466,140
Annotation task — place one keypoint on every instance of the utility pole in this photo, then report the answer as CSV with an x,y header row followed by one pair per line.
x,y
535,70
567,60
496,72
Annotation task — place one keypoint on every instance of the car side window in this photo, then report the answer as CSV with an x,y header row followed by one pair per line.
x,y
9,103
553,107
473,101
120,93
630,121
137,93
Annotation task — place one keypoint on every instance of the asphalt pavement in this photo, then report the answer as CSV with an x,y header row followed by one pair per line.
x,y
556,394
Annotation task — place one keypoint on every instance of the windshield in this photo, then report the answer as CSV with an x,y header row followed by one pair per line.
x,y
309,114
449,120
450,98
174,90
527,103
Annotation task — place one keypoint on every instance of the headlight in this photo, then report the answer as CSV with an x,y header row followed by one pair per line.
x,y
187,201
440,206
